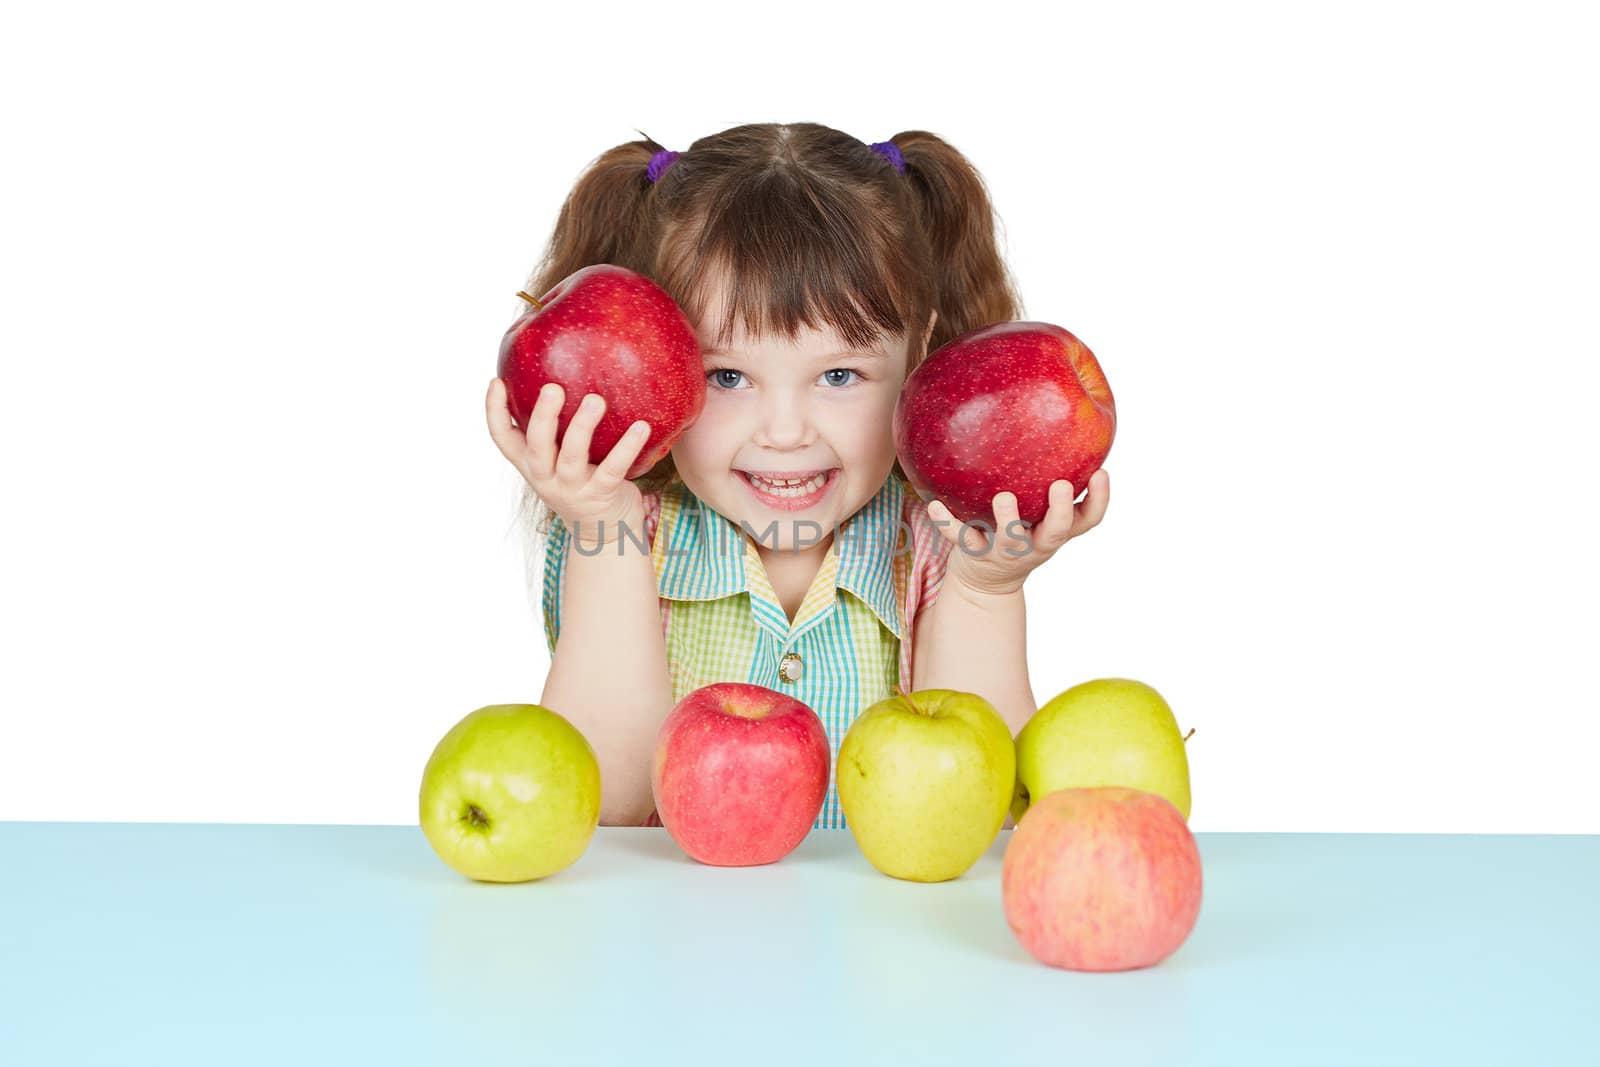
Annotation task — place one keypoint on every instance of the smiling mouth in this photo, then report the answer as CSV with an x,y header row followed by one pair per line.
x,y
798,484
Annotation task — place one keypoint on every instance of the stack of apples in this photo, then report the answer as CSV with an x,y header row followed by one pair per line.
x,y
1101,874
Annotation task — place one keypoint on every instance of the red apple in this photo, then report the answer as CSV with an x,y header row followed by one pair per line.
x,y
1008,407
740,773
605,329
1101,879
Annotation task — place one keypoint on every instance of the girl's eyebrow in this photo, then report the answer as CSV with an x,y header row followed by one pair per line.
x,y
863,353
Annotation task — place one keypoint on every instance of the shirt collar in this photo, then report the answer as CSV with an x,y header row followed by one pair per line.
x,y
698,552
867,543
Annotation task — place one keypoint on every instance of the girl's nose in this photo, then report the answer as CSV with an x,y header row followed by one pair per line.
x,y
784,423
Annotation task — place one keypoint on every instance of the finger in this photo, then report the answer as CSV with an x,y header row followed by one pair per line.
x,y
1055,529
1094,508
1011,536
615,466
541,436
573,461
506,436
950,527
943,521
976,536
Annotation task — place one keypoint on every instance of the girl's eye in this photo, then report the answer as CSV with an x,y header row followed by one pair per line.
x,y
724,378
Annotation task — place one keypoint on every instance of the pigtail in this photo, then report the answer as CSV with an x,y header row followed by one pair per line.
x,y
605,219
974,286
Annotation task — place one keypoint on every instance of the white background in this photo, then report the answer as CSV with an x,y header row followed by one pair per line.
x,y
1339,263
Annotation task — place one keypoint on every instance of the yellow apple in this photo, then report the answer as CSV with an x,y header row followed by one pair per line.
x,y
924,780
1107,732
510,794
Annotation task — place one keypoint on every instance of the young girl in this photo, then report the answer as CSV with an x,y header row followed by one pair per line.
x,y
786,547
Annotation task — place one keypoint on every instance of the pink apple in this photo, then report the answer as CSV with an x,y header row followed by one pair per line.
x,y
740,773
1101,879
1008,407
605,329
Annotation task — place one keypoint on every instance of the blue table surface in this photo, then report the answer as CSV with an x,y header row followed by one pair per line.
x,y
138,943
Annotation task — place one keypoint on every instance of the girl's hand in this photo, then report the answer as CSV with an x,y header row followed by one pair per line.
x,y
584,494
998,563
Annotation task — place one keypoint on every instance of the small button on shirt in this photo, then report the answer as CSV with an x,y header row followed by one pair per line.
x,y
791,667
850,643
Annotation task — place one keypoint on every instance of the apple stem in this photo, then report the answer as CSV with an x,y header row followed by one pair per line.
x,y
476,816
536,305
1188,735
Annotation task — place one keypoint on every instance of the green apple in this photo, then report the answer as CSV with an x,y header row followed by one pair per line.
x,y
510,794
924,780
1107,732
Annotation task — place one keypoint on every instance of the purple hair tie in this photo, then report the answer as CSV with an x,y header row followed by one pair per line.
x,y
659,164
890,151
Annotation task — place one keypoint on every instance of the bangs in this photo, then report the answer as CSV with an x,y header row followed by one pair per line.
x,y
777,257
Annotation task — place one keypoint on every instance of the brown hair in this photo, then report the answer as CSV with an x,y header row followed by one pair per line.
x,y
807,224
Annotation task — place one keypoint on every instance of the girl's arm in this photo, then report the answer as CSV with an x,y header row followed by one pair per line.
x,y
976,642
608,673
974,637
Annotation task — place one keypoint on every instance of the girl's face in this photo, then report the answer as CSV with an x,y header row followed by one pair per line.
x,y
812,411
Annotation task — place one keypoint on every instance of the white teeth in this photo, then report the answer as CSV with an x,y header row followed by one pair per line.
x,y
790,487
